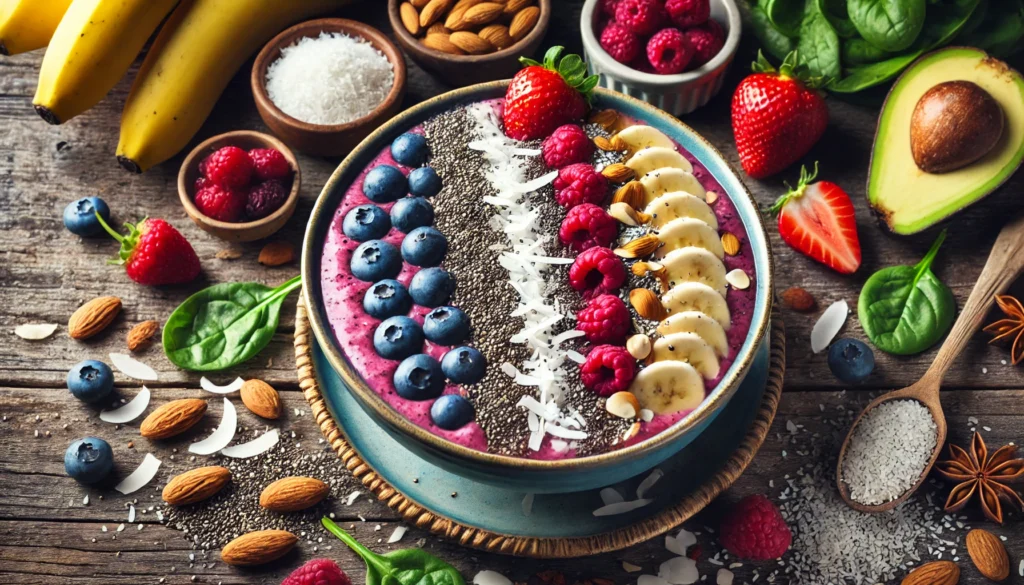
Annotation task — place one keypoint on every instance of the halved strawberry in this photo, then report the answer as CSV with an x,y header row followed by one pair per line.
x,y
818,220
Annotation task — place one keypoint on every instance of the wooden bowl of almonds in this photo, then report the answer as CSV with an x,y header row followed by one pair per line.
x,y
470,41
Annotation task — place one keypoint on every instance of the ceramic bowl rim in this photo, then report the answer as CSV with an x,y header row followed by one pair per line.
x,y
322,217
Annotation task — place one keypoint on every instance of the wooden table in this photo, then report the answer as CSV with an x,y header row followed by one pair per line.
x,y
46,533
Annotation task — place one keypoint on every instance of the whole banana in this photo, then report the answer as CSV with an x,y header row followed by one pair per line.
x,y
27,25
194,57
91,50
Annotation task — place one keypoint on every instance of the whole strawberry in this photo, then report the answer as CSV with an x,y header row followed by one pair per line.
x,y
542,97
777,116
153,253
318,572
755,530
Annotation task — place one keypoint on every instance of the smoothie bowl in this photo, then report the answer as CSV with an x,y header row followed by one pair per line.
x,y
520,320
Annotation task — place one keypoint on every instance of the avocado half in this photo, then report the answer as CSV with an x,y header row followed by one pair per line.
x,y
908,199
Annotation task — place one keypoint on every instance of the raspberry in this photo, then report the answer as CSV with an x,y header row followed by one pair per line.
x,y
220,203
641,16
230,166
608,369
318,572
669,51
579,183
597,271
620,42
201,183
265,198
567,145
607,7
586,226
687,13
755,530
707,40
605,319
268,163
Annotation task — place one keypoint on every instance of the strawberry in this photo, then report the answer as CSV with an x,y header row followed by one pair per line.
x,y
153,253
777,116
818,220
542,97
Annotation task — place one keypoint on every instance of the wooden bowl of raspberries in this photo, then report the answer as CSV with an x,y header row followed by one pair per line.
x,y
240,186
672,54
470,41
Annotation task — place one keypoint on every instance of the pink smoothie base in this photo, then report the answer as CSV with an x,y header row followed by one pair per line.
x,y
353,328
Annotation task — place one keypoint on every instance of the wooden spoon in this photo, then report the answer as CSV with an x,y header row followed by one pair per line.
x,y
1005,263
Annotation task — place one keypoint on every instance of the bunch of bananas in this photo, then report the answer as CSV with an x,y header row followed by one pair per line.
x,y
90,44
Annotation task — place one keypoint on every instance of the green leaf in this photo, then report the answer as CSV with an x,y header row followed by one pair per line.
x,y
944,22
906,309
777,44
838,17
224,325
785,15
411,566
1001,30
857,52
891,25
861,78
818,46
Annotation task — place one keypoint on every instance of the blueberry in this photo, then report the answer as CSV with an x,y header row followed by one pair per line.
x,y
387,298
91,381
89,460
424,182
80,216
451,412
419,377
446,326
410,149
464,365
366,222
424,246
384,184
375,260
851,360
431,287
397,338
410,213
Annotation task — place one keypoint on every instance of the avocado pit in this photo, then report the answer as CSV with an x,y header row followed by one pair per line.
x,y
954,124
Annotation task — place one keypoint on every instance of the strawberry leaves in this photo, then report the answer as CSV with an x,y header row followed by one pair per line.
x,y
791,67
570,67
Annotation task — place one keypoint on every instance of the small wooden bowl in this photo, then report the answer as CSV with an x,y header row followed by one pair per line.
x,y
461,70
245,231
324,139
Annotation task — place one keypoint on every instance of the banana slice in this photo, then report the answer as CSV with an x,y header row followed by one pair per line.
x,y
693,264
697,296
687,231
668,387
657,157
689,348
639,137
696,322
677,204
668,180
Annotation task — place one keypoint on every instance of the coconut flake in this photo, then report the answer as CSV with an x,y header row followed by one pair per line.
x,y
828,325
131,514
630,567
142,475
397,534
132,367
725,577
252,448
679,571
621,507
646,414
680,543
35,331
128,412
352,497
209,386
651,580
491,578
610,495
528,504
222,436
648,482
738,279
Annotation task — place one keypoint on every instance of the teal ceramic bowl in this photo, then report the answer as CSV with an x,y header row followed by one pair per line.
x,y
530,475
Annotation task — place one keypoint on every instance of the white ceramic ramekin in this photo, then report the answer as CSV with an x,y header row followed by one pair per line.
x,y
677,94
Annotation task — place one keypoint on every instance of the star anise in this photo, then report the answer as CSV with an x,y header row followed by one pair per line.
x,y
1010,327
976,472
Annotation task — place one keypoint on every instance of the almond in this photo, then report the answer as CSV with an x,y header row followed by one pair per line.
x,y
632,194
434,10
292,494
196,485
604,118
410,18
497,35
618,144
934,573
647,304
483,13
659,272
639,346
173,418
438,28
711,197
93,317
454,20
988,554
523,22
257,548
277,254
624,214
228,254
419,3
441,42
471,42
514,6
618,173
603,143
261,399
798,299
639,248
623,405
140,335
466,4
730,243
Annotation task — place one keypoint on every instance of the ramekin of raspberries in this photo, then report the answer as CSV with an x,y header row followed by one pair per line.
x,y
236,185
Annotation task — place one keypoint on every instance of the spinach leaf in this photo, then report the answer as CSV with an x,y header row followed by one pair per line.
x,y
1001,30
907,309
411,566
944,22
892,25
818,46
857,51
838,17
785,15
777,44
977,17
224,325
860,78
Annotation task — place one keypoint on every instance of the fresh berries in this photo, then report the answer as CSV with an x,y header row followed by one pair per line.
x,y
567,145
687,13
424,246
451,411
586,226
777,116
431,287
384,184
318,572
397,338
229,166
620,42
236,186
265,198
375,260
605,319
91,381
268,164
608,369
89,460
419,377
80,216
464,365
446,326
410,149
153,253
579,183
544,96
669,51
850,360
643,17
597,271
707,40
220,203
755,530
607,7
366,222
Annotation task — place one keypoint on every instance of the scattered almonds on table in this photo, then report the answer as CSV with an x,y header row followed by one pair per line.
x,y
142,335
93,317
469,27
